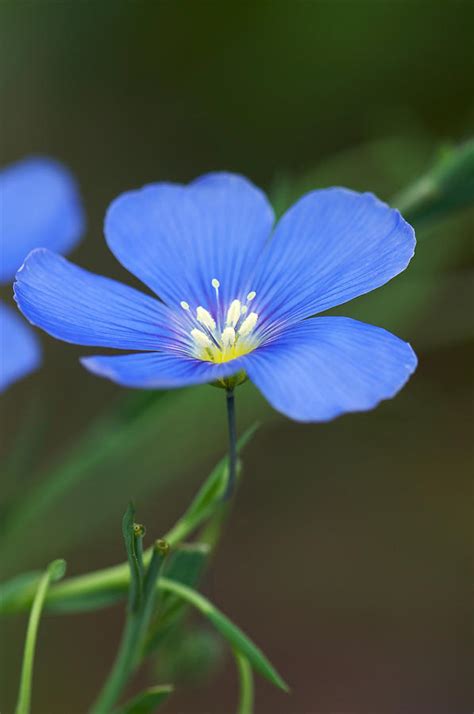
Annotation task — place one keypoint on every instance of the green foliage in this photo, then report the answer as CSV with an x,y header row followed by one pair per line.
x,y
185,566
246,693
189,655
55,571
157,603
147,702
234,636
141,602
447,187
17,593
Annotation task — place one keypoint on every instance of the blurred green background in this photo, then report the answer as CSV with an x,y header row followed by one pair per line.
x,y
347,554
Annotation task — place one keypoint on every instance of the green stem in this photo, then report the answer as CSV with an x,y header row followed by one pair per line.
x,y
131,645
117,577
120,671
54,571
245,684
106,586
232,444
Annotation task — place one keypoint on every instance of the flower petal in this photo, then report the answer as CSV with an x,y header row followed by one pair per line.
x,y
331,246
158,370
40,208
326,366
176,239
77,306
20,352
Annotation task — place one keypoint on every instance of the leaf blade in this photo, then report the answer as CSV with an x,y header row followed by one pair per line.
x,y
147,701
236,637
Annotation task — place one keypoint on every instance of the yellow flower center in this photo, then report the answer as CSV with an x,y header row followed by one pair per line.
x,y
213,342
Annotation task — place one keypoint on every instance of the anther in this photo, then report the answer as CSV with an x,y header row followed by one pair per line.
x,y
248,324
201,338
233,313
205,318
228,337
184,305
251,295
215,283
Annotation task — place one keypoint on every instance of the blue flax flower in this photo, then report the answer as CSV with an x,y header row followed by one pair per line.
x,y
39,207
236,294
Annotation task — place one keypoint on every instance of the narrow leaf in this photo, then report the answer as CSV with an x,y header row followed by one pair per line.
x,y
447,186
147,702
138,618
185,566
104,587
237,639
17,594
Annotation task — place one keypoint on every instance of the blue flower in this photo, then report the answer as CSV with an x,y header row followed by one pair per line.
x,y
235,299
39,207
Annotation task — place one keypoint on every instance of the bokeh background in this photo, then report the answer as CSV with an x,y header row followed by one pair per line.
x,y
347,555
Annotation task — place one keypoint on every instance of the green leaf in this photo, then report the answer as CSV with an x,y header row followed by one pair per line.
x,y
17,594
189,655
138,614
446,187
186,563
147,702
104,587
236,638
54,572
185,566
381,165
137,436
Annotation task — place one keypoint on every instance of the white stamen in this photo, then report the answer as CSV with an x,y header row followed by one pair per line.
x,y
233,313
215,283
184,305
248,324
244,309
205,318
228,337
251,295
201,338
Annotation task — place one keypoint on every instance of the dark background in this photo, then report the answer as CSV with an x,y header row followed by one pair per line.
x,y
347,555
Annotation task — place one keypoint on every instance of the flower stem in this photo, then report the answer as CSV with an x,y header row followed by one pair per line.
x,y
246,695
54,572
131,646
230,398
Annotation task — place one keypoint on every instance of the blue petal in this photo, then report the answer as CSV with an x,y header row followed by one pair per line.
x,y
331,246
20,352
326,366
77,306
176,239
40,208
159,370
